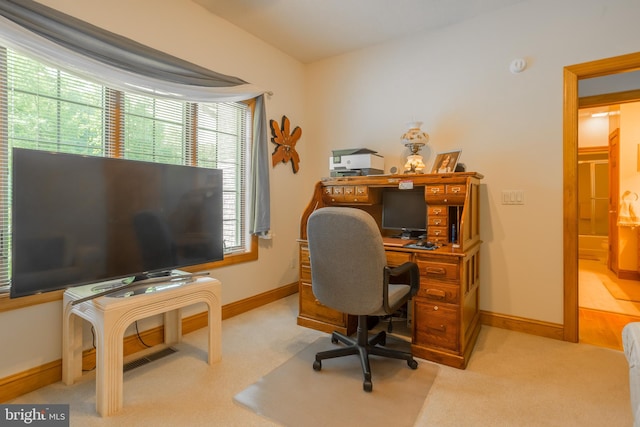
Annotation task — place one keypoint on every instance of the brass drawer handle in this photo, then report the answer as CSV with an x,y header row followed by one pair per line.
x,y
438,294
455,189
435,190
436,270
437,211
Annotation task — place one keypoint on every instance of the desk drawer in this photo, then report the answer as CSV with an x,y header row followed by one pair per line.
x,y
360,194
311,307
437,211
395,259
351,194
437,292
435,190
456,190
438,271
436,325
333,194
446,193
438,234
438,221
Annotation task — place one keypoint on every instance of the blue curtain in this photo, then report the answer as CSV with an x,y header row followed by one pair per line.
x,y
260,218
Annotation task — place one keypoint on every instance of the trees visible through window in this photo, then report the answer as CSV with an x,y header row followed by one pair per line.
x,y
42,107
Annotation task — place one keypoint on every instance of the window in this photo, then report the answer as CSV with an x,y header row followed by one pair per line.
x,y
42,107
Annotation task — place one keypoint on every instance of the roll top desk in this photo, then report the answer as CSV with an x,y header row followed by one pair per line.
x,y
445,312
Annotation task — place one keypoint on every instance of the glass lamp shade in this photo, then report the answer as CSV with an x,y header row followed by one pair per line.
x,y
414,138
414,164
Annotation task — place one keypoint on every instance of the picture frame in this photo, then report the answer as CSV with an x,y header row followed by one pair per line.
x,y
446,162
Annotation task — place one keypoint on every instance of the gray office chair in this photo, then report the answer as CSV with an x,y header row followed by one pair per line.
x,y
349,273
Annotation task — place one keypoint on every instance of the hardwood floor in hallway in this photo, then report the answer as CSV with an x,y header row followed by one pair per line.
x,y
603,328
601,316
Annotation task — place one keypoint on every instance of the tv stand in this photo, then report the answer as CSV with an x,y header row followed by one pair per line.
x,y
116,286
111,317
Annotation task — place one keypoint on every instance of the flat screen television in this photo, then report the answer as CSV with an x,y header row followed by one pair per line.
x,y
404,211
82,219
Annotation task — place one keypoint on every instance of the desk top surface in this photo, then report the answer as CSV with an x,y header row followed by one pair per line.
x,y
393,243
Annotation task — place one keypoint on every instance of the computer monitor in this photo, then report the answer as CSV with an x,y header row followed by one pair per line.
x,y
404,211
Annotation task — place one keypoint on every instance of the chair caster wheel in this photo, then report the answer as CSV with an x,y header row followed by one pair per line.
x,y
334,340
412,364
367,386
317,365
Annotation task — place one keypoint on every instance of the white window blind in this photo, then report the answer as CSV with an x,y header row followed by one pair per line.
x,y
154,130
42,107
47,109
221,130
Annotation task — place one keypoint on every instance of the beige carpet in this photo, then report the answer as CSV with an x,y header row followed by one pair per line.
x,y
513,379
295,395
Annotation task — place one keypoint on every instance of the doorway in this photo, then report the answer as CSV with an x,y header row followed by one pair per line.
x,y
604,308
572,75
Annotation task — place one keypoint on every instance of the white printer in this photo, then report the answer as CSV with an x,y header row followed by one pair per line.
x,y
356,161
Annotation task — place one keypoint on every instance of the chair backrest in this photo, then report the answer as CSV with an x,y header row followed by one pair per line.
x,y
347,259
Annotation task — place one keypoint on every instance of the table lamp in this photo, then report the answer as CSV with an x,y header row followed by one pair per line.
x,y
414,139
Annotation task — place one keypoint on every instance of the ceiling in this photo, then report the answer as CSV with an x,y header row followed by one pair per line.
x,y
311,30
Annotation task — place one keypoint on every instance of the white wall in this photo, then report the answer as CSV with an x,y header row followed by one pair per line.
x,y
509,126
593,131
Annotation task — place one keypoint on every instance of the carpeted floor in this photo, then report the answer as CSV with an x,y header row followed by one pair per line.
x,y
284,394
513,379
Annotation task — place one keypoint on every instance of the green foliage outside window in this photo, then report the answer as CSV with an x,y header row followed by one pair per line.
x,y
48,109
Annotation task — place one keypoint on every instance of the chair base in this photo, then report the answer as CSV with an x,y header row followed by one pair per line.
x,y
363,345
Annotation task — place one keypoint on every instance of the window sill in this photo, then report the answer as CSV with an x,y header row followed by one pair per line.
x,y
8,304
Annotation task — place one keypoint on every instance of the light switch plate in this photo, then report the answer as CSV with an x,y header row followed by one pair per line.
x,y
512,197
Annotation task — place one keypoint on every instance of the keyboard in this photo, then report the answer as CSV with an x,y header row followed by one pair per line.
x,y
428,246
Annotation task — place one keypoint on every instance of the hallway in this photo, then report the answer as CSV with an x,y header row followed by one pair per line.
x,y
602,317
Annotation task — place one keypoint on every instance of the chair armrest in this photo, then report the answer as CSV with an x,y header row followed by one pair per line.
x,y
414,275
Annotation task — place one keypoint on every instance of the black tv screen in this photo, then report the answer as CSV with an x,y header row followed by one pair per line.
x,y
83,219
404,210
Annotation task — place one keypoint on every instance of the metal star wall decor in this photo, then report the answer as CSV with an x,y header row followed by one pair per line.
x,y
285,143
